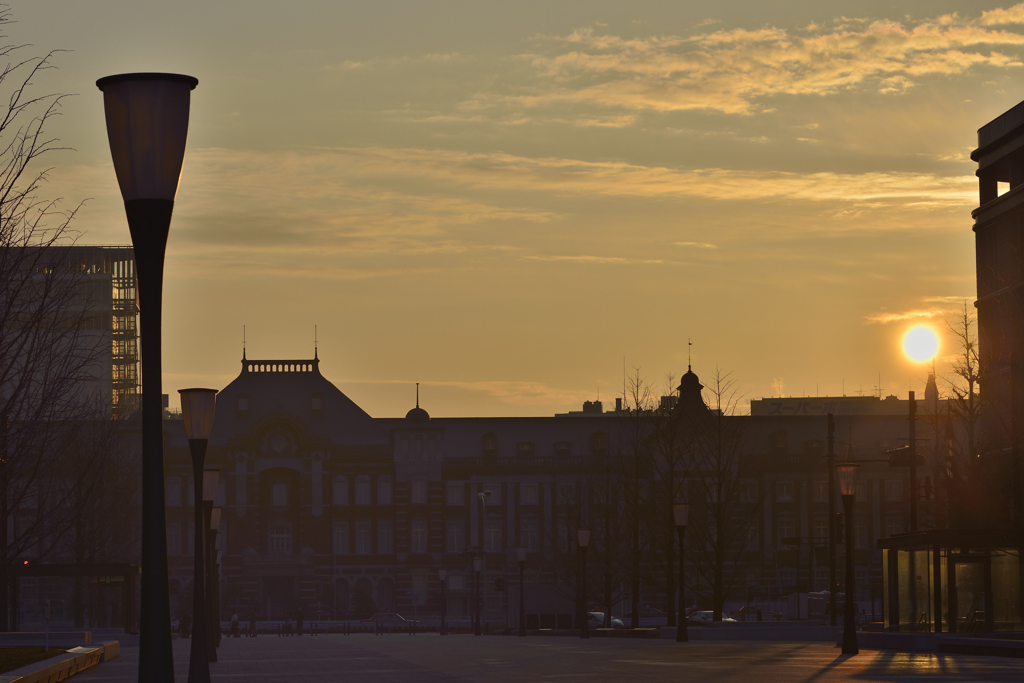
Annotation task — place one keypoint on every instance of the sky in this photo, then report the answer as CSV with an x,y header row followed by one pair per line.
x,y
517,203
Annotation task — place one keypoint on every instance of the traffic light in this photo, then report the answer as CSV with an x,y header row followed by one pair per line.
x,y
839,527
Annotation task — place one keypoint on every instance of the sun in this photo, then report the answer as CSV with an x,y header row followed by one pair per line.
x,y
921,344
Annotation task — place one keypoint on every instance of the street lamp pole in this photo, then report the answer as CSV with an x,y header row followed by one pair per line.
x,y
478,562
521,556
197,410
583,536
681,512
848,486
442,574
209,492
147,124
214,595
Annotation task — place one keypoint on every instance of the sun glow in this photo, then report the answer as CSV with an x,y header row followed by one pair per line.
x,y
921,344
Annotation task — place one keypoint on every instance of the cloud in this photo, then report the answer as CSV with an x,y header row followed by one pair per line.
x,y
953,304
511,392
699,245
735,71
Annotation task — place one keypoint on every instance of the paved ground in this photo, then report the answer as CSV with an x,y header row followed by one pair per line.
x,y
498,659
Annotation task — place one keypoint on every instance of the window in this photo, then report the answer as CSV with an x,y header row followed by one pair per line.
x,y
456,582
530,535
787,529
821,528
528,494
173,492
862,492
315,404
419,492
419,536
279,539
339,490
385,536
384,491
279,495
779,442
562,536
492,537
893,525
860,536
363,537
821,579
748,492
784,491
419,589
894,490
456,493
456,535
362,490
599,444
820,491
174,539
341,538
563,448
787,578
566,494
524,448
243,404
490,444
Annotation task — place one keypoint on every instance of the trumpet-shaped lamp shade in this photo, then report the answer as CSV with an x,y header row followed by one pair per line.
x,y
215,515
147,123
442,574
197,408
478,563
583,536
210,478
848,478
521,553
681,513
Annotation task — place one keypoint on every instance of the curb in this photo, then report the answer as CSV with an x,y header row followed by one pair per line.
x,y
64,665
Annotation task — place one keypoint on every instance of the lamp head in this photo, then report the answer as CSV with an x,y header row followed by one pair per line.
x,y
681,513
215,518
848,478
147,123
197,410
583,536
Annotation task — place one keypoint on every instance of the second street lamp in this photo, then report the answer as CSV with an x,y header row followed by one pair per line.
x,y
848,487
147,125
209,489
197,410
442,574
583,536
521,556
681,514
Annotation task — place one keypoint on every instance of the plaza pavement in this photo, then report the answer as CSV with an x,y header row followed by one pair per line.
x,y
428,658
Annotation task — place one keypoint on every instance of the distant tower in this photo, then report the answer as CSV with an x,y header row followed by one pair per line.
x,y
999,240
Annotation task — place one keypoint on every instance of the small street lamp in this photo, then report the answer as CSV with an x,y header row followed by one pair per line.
x,y
848,487
147,125
521,556
197,409
478,563
442,574
215,518
681,513
209,492
583,536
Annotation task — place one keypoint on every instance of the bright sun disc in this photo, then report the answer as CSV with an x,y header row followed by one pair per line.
x,y
921,344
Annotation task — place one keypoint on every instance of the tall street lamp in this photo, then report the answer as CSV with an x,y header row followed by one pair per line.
x,y
210,480
583,536
848,487
147,124
681,513
197,409
214,596
521,556
478,563
442,574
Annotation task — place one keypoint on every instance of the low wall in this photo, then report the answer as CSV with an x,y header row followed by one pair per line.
x,y
64,665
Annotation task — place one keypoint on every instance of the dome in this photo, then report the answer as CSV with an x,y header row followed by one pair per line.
x,y
417,414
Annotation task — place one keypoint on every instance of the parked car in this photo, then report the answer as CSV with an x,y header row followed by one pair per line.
x,y
389,619
596,620
706,617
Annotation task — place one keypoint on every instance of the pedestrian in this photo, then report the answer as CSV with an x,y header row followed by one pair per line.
x,y
234,625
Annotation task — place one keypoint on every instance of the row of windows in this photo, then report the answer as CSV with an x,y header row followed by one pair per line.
x,y
785,491
598,445
357,537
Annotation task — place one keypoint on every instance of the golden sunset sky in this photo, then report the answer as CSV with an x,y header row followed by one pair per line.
x,y
510,201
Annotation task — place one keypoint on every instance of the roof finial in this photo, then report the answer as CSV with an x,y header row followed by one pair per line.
x,y
689,364
315,344
417,394
243,342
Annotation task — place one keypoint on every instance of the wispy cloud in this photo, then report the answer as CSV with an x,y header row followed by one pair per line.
x,y
942,308
735,71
